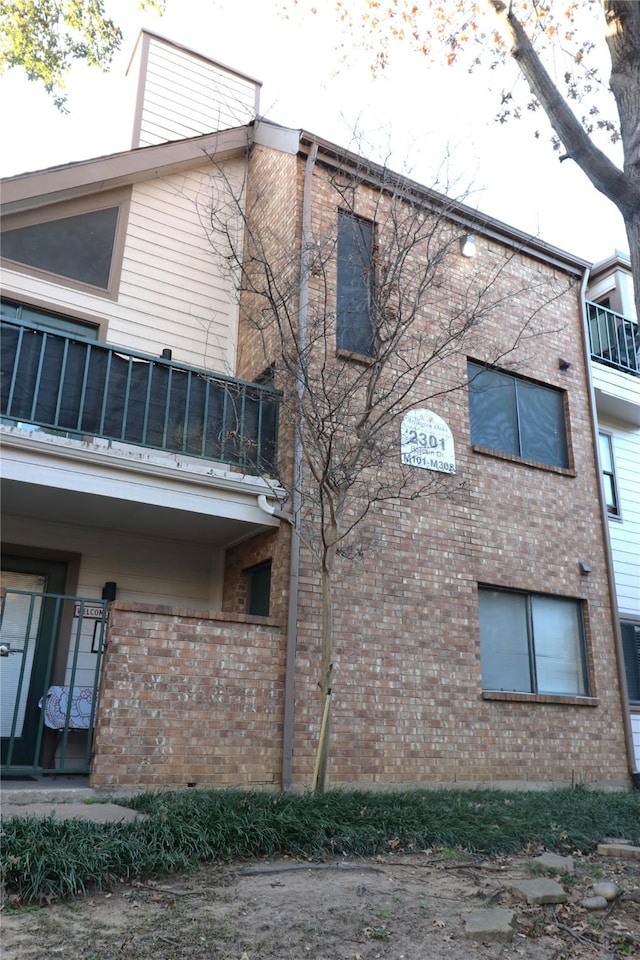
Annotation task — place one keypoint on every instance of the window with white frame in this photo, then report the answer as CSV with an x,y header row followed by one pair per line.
x,y
605,441
516,416
531,643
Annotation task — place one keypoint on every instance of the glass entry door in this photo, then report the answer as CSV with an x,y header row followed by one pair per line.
x,y
28,637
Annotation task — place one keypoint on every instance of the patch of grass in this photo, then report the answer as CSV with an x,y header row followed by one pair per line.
x,y
53,859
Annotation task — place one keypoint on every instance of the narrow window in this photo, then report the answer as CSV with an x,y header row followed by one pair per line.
x,y
259,589
354,329
608,474
631,647
515,416
531,643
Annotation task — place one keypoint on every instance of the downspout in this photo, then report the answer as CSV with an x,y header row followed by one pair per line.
x,y
613,598
294,568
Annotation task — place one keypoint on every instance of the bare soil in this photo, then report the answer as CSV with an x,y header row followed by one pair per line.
x,y
396,907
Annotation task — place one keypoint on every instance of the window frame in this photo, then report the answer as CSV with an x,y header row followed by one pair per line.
x,y
255,597
120,198
476,368
50,320
610,475
633,666
366,250
582,667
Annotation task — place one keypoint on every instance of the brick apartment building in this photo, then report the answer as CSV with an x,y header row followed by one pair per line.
x,y
473,620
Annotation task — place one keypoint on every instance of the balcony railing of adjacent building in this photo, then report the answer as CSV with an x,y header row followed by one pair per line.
x,y
614,339
61,382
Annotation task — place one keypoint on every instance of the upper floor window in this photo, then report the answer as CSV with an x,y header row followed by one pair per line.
x,y
608,474
516,416
78,243
530,643
354,328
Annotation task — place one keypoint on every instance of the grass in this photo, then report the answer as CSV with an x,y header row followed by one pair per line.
x,y
60,859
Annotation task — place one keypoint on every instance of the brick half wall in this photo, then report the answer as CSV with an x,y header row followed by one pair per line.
x,y
189,698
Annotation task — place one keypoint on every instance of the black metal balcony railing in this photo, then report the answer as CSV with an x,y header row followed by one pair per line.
x,y
614,339
80,387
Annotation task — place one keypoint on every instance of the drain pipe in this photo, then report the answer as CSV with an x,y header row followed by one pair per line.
x,y
613,597
294,517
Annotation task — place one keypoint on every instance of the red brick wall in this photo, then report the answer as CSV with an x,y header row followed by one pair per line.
x,y
189,698
272,546
408,705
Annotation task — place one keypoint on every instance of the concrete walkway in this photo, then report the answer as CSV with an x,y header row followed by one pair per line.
x,y
67,798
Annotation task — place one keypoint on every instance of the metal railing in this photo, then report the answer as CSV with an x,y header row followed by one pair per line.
x,y
61,382
48,709
614,339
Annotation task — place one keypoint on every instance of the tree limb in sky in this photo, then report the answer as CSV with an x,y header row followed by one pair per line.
x,y
45,37
534,34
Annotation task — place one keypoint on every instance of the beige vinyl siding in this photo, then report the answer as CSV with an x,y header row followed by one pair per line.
x,y
186,95
625,533
146,569
175,287
174,290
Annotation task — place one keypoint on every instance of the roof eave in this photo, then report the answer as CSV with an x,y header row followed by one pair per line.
x,y
28,191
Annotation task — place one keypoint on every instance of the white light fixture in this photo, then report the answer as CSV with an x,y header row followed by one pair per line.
x,y
468,246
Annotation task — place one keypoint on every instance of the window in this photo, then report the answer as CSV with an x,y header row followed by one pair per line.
x,y
49,321
354,330
259,589
605,441
531,643
515,416
631,647
77,247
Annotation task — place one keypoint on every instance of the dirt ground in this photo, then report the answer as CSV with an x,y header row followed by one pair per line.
x,y
396,907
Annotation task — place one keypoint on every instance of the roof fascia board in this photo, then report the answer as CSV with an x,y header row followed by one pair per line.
x,y
380,177
29,191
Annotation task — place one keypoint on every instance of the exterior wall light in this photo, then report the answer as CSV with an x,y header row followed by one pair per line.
x,y
109,591
585,568
468,246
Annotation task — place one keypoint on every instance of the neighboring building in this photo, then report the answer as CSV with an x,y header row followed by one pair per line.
x,y
615,350
474,636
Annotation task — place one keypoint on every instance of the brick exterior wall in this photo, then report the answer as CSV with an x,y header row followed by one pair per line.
x,y
189,698
408,704
194,698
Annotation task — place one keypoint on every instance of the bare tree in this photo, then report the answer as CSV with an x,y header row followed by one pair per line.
x,y
352,364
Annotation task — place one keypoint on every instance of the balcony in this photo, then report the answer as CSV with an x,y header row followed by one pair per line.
x,y
614,339
82,388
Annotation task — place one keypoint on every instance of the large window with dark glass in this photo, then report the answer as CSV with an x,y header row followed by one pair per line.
x,y
512,415
354,329
79,247
631,647
531,643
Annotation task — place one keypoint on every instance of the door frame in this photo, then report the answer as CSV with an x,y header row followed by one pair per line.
x,y
56,571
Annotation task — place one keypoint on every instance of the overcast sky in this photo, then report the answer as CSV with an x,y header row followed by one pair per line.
x,y
434,123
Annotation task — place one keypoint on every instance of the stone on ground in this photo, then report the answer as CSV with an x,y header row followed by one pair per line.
x,y
540,890
492,924
618,849
553,861
606,889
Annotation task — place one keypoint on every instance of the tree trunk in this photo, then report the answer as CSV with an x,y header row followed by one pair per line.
x,y
622,187
623,39
322,761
